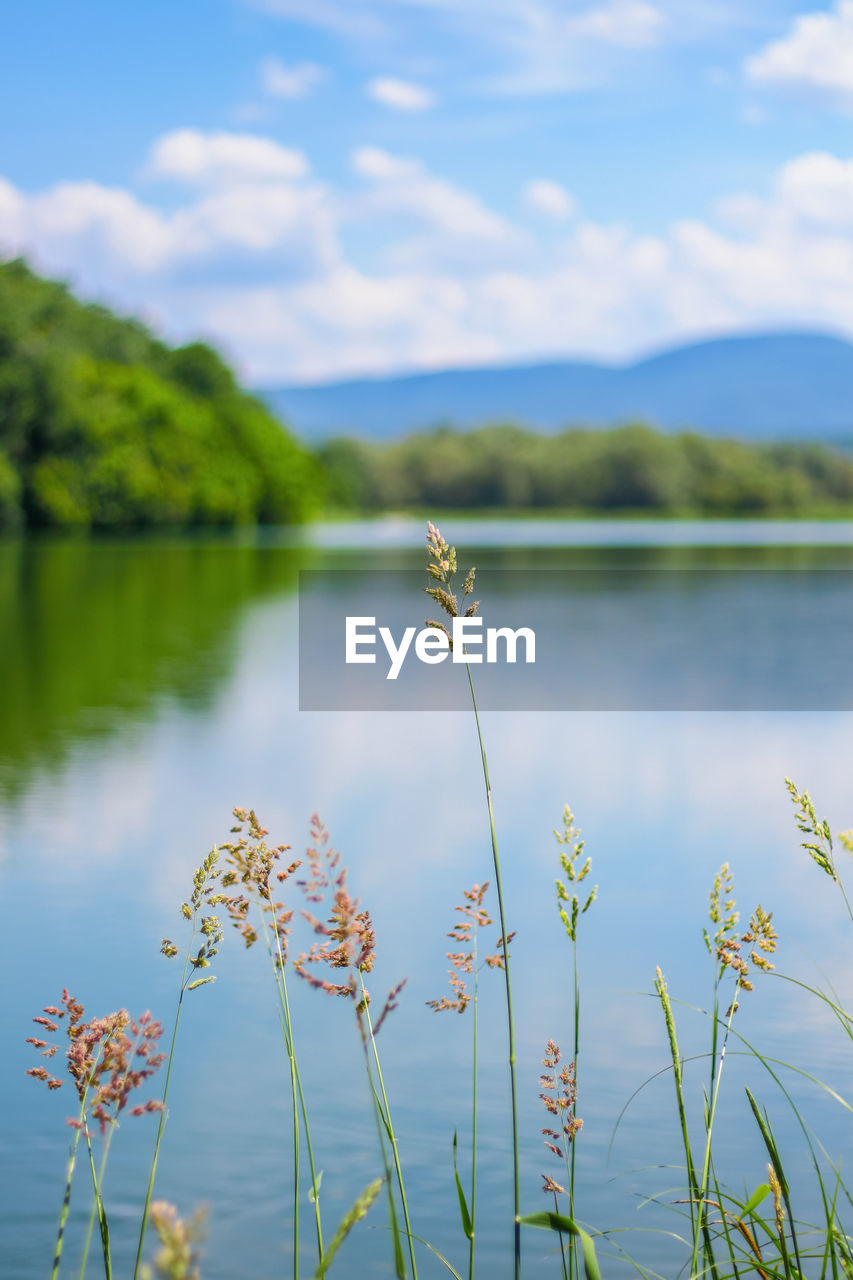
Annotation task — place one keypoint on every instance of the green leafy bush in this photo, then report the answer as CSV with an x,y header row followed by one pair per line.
x,y
103,426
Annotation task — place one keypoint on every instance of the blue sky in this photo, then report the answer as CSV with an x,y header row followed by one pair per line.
x,y
330,187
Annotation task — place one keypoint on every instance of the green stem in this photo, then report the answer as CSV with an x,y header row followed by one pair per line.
x,y
296,1088
706,1162
162,1124
562,1246
696,1217
99,1206
66,1199
390,1127
69,1173
838,881
573,1244
295,1113
516,1175
87,1242
474,1117
383,1129
304,1111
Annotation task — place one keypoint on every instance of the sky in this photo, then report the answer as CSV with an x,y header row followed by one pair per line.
x,y
330,188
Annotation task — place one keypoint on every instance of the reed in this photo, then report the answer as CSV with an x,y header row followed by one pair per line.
x,y
571,907
726,1233
252,864
106,1059
348,951
442,567
207,931
465,966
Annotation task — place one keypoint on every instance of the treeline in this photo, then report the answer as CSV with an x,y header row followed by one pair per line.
x,y
103,426
629,468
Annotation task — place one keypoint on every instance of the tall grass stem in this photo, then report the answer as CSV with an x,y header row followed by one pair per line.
x,y
516,1175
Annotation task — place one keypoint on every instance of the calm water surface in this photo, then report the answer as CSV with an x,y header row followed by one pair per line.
x,y
146,687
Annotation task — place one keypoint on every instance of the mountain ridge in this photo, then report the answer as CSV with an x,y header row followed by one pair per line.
x,y
783,383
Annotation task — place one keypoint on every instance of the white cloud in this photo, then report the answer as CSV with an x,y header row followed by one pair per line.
x,y
424,318
293,225
400,95
518,46
760,262
817,53
210,158
632,23
341,17
409,269
84,223
371,162
549,198
818,187
111,243
298,81
443,225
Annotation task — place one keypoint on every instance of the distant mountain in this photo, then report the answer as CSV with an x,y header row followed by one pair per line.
x,y
757,386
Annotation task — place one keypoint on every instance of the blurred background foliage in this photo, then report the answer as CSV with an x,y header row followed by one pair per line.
x,y
628,468
103,426
96,632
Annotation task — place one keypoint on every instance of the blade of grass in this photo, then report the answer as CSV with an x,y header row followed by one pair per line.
x,y
775,1160
355,1214
467,1225
99,1205
496,863
560,1223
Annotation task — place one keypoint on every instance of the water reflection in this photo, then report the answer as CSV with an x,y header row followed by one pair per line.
x,y
197,706
93,633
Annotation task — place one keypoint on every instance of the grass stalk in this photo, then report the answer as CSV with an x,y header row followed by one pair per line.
x,y
474,1115
776,1163
251,864
297,1094
573,1244
389,1127
101,1212
203,895
149,1190
706,1159
560,1238
66,1198
698,1224
94,1211
80,1124
496,863
383,1129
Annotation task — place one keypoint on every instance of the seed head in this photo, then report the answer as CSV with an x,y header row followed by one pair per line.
x,y
464,931
177,1258
107,1059
576,868
252,865
348,937
441,567
727,945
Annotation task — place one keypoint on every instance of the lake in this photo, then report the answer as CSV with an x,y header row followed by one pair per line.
x,y
150,685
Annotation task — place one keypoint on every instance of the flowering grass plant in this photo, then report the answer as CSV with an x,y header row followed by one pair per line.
x,y
313,929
